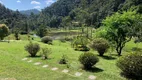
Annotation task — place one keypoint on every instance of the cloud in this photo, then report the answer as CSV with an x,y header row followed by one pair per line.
x,y
18,1
48,2
37,7
35,2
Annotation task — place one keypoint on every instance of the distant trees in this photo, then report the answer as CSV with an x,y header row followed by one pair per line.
x,y
120,28
10,17
89,12
42,31
137,31
16,34
4,30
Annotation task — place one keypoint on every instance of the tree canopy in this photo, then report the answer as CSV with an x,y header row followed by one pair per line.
x,y
120,28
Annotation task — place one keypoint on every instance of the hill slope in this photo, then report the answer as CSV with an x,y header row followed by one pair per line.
x,y
28,12
9,17
90,12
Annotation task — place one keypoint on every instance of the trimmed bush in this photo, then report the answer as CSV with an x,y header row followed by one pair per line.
x,y
46,40
32,48
101,45
88,60
131,65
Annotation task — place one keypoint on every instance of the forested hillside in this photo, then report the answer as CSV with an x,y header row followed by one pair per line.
x,y
11,18
90,12
68,13
28,12
17,21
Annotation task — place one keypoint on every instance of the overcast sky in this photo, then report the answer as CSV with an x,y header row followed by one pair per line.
x,y
26,4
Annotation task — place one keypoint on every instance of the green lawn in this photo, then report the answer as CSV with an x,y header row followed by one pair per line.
x,y
12,66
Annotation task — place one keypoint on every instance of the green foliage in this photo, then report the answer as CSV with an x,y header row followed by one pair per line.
x,y
4,31
80,43
32,48
46,40
88,60
119,28
136,49
82,48
101,45
81,15
42,31
85,11
131,66
16,34
66,21
45,52
80,40
100,33
63,60
64,39
9,17
137,30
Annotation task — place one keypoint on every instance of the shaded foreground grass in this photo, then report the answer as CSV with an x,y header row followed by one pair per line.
x,y
13,67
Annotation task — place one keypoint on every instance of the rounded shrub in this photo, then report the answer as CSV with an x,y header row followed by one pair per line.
x,y
131,65
101,45
46,40
88,60
32,48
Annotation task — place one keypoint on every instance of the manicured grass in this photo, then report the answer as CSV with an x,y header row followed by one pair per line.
x,y
12,66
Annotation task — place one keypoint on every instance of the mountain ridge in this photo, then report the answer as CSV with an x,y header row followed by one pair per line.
x,y
28,12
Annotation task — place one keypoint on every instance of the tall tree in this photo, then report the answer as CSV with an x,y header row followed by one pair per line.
x,y
119,29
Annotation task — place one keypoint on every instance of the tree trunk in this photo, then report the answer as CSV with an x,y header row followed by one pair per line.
x,y
119,50
119,53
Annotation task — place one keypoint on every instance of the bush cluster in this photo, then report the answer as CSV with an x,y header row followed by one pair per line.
x,y
88,60
80,40
131,65
32,48
45,53
82,48
80,43
101,45
64,39
46,40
